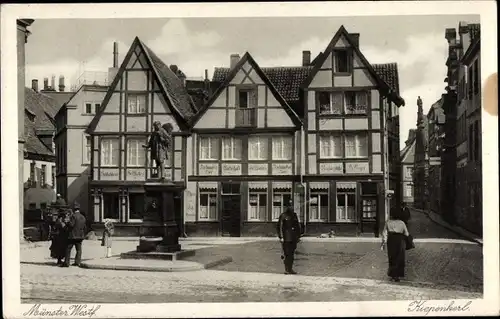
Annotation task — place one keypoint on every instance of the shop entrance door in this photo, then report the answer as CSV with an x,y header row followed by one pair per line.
x,y
231,210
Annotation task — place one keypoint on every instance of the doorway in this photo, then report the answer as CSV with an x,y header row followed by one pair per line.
x,y
231,210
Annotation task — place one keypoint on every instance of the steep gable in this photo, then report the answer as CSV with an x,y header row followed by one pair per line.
x,y
170,91
341,40
246,72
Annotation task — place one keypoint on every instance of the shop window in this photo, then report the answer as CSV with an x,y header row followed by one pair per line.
x,y
318,205
257,205
346,204
208,205
369,208
111,206
281,199
136,206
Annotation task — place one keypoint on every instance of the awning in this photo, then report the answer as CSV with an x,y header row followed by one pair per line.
x,y
282,185
319,185
346,185
257,185
207,185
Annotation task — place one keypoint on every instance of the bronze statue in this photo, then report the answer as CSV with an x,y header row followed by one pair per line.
x,y
159,143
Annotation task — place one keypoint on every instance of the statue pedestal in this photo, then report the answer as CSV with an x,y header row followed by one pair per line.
x,y
159,231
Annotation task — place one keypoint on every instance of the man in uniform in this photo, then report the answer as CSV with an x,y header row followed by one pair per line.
x,y
288,228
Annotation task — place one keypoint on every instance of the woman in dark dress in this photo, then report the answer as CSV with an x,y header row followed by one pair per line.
x,y
395,235
59,238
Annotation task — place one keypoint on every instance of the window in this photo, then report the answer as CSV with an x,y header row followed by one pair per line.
x,y
281,199
53,176
282,147
43,175
32,172
257,148
208,204
318,205
209,148
109,152
136,103
469,83
477,84
408,190
136,154
111,206
97,107
88,108
257,204
409,172
231,148
330,146
346,204
43,206
356,146
330,103
477,141
136,206
369,208
247,98
87,155
356,102
342,61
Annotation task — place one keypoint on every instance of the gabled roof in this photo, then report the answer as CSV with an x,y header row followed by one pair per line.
x,y
322,57
408,152
232,73
37,119
61,98
173,90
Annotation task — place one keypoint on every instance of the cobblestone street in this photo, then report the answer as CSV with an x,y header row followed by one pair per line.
x,y
329,270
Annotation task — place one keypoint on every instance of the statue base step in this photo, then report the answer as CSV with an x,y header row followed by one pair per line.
x,y
173,256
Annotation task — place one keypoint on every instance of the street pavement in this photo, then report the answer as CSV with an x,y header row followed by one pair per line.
x,y
329,270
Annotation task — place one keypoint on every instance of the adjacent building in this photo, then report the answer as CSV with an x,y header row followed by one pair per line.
x,y
407,167
462,142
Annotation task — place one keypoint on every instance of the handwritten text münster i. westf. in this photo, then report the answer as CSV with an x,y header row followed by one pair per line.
x,y
66,311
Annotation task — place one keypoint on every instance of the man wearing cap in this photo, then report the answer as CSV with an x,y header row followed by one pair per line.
x,y
60,201
288,228
76,234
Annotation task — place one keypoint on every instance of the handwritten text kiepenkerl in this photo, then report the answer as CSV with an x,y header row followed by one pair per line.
x,y
424,306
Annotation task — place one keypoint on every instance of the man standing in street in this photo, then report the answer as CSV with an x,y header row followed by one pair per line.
x,y
76,234
288,228
405,214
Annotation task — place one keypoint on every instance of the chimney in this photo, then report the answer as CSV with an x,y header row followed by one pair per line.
x,y
234,59
206,83
354,38
45,84
464,35
53,83
61,83
34,85
115,54
174,68
306,58
450,34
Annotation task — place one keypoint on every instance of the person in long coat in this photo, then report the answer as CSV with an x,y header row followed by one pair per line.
x,y
394,237
59,237
288,229
76,235
405,214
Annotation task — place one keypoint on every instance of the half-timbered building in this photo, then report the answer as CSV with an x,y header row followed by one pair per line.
x,y
143,91
245,158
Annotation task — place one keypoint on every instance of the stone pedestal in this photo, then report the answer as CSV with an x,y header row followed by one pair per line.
x,y
159,231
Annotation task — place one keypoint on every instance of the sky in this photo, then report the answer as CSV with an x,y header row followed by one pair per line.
x,y
416,43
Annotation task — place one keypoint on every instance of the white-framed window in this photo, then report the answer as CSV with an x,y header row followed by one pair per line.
x,y
136,154
408,190
337,103
409,172
208,204
330,146
356,145
136,103
87,149
318,205
110,206
281,199
136,207
110,150
209,148
346,205
257,204
231,148
282,147
257,148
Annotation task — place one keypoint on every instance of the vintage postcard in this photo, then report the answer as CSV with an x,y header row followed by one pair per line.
x,y
250,159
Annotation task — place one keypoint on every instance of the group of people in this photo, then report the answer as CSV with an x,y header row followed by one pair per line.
x,y
68,230
396,239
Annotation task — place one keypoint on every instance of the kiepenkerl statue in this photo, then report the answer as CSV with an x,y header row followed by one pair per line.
x,y
159,145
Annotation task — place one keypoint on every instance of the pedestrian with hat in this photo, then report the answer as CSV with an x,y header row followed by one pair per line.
x,y
288,229
76,234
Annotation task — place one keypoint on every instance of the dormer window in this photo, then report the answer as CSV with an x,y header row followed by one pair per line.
x,y
343,61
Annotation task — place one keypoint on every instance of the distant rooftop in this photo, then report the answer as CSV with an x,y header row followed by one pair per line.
x,y
99,78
